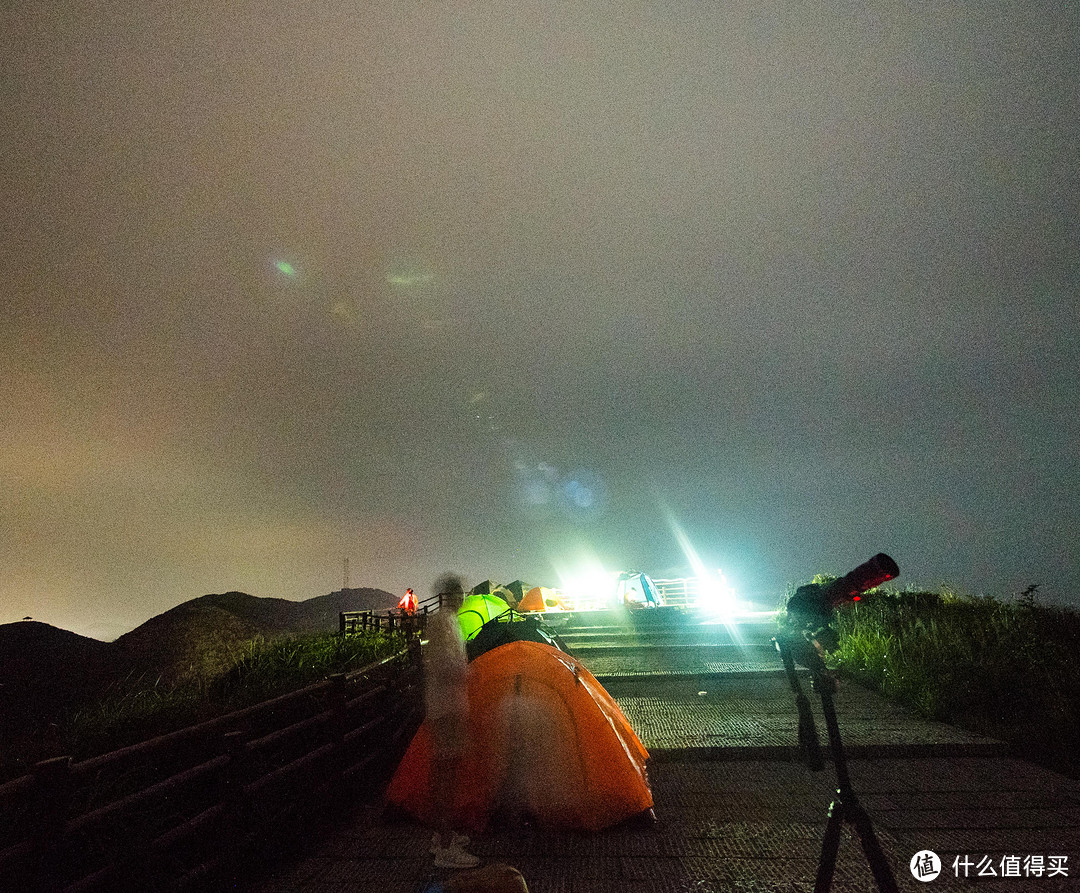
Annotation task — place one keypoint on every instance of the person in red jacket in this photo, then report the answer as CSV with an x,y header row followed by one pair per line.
x,y
407,605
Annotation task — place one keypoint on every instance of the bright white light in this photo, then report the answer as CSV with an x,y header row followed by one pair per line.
x,y
588,586
715,594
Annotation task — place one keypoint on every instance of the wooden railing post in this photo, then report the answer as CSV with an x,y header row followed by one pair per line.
x,y
235,824
52,803
234,778
338,700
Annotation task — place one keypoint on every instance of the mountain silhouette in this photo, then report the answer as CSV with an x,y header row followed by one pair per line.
x,y
46,672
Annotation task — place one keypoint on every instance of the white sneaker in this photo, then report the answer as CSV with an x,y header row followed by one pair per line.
x,y
454,856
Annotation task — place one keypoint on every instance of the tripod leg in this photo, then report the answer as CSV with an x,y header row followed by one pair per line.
x,y
875,856
829,847
809,748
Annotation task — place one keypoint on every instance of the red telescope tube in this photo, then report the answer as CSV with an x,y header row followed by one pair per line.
x,y
866,576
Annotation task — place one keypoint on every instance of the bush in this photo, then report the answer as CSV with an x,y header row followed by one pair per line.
x,y
1003,670
256,671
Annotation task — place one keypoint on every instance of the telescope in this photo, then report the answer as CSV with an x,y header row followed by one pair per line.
x,y
810,610
805,634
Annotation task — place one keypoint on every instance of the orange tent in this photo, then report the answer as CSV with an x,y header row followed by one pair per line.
x,y
540,599
545,737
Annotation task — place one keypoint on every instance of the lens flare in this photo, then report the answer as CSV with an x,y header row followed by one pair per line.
x,y
714,593
405,280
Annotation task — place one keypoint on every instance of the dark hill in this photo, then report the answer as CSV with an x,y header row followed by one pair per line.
x,y
323,610
45,671
200,634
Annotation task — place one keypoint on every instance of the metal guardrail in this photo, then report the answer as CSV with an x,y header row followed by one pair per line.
x,y
680,593
186,809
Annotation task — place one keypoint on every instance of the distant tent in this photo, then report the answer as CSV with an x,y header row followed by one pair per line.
x,y
544,736
636,588
519,589
476,610
540,598
506,595
408,602
482,588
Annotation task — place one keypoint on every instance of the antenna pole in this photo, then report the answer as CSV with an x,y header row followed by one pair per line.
x,y
345,581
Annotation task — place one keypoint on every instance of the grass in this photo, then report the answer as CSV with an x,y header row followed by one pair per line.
x,y
252,672
1007,670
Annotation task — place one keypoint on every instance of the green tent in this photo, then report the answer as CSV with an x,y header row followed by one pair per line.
x,y
477,610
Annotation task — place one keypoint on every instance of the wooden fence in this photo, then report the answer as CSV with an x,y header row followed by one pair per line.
x,y
411,624
363,621
189,810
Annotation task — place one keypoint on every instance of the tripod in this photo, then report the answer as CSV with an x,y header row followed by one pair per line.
x,y
845,806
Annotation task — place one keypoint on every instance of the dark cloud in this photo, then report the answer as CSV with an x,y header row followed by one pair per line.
x,y
498,288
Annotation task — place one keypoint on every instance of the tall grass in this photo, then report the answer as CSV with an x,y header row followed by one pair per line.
x,y
1011,671
251,672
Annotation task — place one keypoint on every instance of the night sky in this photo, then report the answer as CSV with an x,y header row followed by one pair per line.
x,y
515,288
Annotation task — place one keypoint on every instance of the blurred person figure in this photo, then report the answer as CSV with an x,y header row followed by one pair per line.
x,y
447,709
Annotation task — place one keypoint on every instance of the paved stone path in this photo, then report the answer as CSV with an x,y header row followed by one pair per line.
x,y
736,812
754,715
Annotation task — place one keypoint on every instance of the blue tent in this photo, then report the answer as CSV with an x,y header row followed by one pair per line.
x,y
635,587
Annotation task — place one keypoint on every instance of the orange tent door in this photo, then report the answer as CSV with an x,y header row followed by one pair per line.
x,y
544,735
